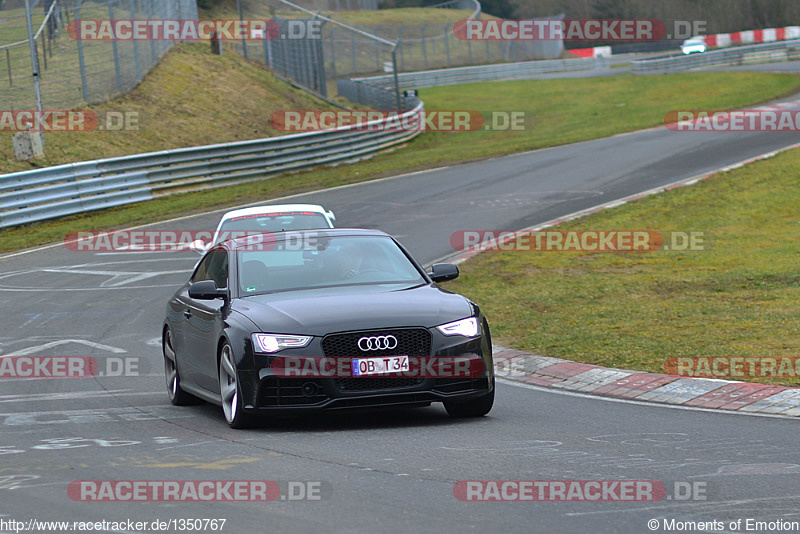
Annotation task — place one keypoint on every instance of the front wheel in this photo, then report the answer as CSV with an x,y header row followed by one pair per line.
x,y
177,395
229,390
477,407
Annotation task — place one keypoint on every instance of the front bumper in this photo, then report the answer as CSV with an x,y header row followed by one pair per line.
x,y
280,394
449,368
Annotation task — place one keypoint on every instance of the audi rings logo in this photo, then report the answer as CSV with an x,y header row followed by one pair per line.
x,y
377,343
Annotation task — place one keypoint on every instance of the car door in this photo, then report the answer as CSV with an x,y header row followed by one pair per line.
x,y
204,322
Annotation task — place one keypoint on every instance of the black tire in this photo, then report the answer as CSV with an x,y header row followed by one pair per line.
x,y
177,395
229,390
477,407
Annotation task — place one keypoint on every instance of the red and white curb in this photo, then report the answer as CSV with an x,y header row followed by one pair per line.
x,y
742,397
768,35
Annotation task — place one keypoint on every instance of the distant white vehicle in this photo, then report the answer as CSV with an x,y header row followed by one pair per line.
x,y
693,45
274,218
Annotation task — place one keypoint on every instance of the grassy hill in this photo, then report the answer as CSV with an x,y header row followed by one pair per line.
x,y
191,98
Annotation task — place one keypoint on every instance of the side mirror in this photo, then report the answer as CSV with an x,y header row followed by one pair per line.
x,y
207,290
198,245
442,272
330,215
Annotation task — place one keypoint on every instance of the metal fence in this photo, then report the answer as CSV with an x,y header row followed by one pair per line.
x,y
740,55
342,5
105,68
482,73
301,60
343,50
378,92
52,192
72,71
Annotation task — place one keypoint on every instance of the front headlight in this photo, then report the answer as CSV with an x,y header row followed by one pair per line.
x,y
464,327
270,343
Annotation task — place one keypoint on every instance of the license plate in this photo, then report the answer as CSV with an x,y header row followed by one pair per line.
x,y
380,366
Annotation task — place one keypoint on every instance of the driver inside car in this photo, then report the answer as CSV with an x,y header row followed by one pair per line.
x,y
350,261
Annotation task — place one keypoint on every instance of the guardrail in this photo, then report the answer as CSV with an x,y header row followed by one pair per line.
x,y
53,192
474,5
740,55
373,91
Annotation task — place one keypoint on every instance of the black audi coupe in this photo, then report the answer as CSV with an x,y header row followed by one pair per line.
x,y
320,320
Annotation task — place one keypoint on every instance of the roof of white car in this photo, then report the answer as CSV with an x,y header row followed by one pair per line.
x,y
273,208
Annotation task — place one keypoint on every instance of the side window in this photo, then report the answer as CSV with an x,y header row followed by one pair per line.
x,y
218,268
201,270
213,267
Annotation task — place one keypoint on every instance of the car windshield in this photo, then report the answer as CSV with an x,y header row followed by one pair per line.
x,y
272,222
307,261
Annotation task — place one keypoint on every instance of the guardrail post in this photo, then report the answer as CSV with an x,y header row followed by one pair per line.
x,y
400,46
333,54
37,90
49,45
8,62
447,45
353,46
153,53
396,80
267,49
44,50
377,50
115,48
424,48
319,63
244,41
82,62
284,68
136,45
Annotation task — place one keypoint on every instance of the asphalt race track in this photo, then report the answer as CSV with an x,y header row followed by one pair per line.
x,y
380,471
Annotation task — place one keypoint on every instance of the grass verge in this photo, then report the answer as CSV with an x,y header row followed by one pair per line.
x,y
737,297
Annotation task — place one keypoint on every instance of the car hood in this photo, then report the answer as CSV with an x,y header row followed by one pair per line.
x,y
319,312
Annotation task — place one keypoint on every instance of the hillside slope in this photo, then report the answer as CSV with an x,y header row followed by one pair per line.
x,y
191,98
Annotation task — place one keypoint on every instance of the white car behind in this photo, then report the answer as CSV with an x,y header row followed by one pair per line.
x,y
694,45
274,218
